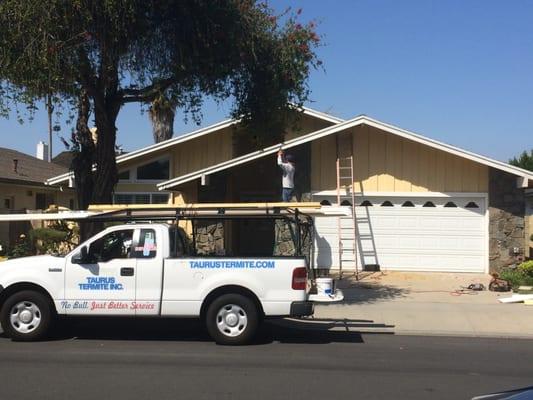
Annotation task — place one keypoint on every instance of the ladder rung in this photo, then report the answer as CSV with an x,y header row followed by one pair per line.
x,y
345,167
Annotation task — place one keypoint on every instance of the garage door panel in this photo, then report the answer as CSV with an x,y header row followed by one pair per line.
x,y
412,238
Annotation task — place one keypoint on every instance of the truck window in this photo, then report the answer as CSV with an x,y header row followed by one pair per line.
x,y
178,247
114,245
147,245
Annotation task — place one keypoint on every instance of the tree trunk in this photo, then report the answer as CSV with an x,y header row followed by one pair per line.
x,y
83,160
107,175
82,164
162,112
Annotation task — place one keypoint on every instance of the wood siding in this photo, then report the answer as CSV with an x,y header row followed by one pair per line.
x,y
202,152
304,125
384,162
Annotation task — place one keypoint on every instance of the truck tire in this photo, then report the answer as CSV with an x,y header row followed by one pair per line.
x,y
232,319
26,316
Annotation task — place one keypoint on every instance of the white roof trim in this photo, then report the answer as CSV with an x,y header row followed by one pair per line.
x,y
360,120
188,136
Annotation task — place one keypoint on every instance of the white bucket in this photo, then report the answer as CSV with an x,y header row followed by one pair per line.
x,y
324,286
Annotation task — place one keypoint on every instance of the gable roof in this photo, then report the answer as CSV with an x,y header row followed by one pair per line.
x,y
30,170
64,158
186,137
359,120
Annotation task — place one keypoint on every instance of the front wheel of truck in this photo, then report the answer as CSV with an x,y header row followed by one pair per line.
x,y
232,319
26,316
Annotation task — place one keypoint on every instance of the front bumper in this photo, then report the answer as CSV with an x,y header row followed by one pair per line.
x,y
302,308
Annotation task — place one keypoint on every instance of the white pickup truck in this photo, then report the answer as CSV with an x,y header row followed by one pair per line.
x,y
144,270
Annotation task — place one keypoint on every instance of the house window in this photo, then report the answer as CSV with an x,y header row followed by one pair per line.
x,y
366,203
429,204
43,200
345,203
471,205
325,203
160,198
387,204
141,198
124,175
408,204
7,203
450,204
156,170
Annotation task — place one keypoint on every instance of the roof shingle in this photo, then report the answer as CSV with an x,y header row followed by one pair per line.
x,y
29,169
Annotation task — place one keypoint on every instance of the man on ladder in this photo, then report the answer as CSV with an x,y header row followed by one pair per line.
x,y
286,163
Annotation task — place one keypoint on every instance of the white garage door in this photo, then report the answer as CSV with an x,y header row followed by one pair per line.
x,y
410,234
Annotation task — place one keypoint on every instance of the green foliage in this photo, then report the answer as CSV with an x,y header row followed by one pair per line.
x,y
121,51
524,160
520,276
22,248
58,238
527,268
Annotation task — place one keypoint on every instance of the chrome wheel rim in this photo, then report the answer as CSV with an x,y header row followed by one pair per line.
x,y
231,320
25,317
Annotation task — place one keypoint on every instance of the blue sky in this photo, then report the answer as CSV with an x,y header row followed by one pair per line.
x,y
456,71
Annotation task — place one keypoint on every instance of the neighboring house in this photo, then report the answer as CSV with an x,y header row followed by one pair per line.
x,y
421,205
22,188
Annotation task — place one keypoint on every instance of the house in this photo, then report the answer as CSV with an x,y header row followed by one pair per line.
x,y
421,205
22,188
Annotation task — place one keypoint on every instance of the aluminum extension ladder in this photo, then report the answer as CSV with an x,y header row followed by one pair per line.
x,y
347,226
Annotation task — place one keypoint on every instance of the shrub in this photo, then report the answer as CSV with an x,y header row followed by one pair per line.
x,y
520,276
527,268
56,238
22,248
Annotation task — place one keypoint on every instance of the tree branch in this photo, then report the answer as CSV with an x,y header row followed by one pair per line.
x,y
146,94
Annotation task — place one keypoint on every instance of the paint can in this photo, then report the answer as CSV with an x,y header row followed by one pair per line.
x,y
324,286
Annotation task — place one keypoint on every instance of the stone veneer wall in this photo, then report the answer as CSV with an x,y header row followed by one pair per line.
x,y
285,238
506,220
209,238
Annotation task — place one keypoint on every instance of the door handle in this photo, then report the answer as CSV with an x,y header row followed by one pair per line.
x,y
126,271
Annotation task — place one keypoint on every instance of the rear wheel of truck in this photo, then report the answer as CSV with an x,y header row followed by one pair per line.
x,y
26,316
232,319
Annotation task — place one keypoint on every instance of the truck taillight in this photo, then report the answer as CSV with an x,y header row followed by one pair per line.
x,y
299,278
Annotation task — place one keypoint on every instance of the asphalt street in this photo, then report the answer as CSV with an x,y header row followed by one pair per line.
x,y
155,359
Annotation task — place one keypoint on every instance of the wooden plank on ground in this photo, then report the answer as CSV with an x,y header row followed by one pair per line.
x,y
516,298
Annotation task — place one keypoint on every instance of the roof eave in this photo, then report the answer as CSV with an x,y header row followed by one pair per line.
x,y
359,120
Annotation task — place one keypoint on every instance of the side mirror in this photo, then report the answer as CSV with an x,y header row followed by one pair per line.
x,y
82,257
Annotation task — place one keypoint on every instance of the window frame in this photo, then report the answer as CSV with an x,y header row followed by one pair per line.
x,y
136,244
151,194
114,231
135,168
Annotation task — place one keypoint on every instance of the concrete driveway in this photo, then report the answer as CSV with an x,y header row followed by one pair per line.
x,y
425,304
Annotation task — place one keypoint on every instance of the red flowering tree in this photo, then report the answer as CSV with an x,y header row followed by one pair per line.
x,y
99,55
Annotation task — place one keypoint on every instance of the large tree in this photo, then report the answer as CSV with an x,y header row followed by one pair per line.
x,y
101,54
524,160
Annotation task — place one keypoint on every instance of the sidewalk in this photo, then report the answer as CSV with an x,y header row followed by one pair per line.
x,y
425,304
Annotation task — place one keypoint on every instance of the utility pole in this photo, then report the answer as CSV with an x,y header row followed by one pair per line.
x,y
50,110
